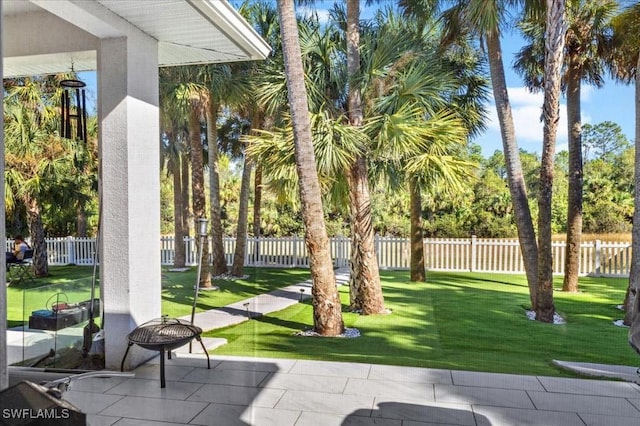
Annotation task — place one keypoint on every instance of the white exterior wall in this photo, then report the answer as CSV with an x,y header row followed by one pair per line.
x,y
130,184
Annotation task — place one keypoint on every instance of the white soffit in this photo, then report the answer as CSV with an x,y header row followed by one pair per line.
x,y
193,31
188,31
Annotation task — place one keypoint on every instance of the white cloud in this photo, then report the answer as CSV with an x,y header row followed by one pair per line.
x,y
586,91
526,108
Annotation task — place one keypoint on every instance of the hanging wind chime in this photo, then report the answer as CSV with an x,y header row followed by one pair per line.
x,y
73,123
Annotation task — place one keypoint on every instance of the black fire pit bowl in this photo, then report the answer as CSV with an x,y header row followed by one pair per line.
x,y
164,335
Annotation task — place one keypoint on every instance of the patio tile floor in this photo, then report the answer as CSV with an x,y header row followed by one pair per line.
x,y
247,391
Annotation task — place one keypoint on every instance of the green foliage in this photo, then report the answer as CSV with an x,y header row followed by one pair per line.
x,y
603,140
56,174
608,202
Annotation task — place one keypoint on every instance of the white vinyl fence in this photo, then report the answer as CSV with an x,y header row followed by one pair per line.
x,y
473,254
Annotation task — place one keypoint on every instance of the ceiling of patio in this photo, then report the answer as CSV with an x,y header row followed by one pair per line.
x,y
187,31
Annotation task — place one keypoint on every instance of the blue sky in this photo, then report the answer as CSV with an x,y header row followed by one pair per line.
x,y
614,102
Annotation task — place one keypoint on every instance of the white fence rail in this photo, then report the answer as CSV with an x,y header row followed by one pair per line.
x,y
473,254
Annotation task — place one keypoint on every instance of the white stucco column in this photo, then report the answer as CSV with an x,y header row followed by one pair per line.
x,y
130,189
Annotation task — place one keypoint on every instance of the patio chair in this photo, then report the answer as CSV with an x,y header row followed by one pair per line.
x,y
21,271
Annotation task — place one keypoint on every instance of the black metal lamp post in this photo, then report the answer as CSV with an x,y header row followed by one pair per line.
x,y
202,232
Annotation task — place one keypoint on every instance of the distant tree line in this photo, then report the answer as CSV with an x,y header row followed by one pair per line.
x,y
482,208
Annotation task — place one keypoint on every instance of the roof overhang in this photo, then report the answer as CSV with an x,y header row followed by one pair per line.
x,y
47,36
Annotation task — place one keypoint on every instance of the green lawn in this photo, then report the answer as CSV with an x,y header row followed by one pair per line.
x,y
65,283
72,283
458,321
177,288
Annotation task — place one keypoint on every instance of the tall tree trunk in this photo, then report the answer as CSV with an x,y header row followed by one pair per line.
x,y
417,241
553,59
632,301
365,288
267,124
219,260
197,189
81,219
243,218
327,309
185,177
38,242
179,257
574,211
515,176
257,201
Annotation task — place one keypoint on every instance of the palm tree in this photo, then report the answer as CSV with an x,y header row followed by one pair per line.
x,y
446,87
243,210
38,161
483,18
625,63
191,96
587,44
173,148
264,18
555,29
197,104
227,85
327,315
365,287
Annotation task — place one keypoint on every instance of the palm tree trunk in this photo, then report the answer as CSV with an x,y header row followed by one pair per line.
x,y
186,183
515,176
219,260
632,301
417,241
197,187
243,214
257,201
554,46
81,219
179,257
38,242
366,290
574,210
327,309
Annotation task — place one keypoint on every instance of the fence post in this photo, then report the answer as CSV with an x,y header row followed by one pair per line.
x,y
474,253
294,240
598,257
71,251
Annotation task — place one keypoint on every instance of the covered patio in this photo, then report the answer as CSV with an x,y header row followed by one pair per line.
x,y
125,42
